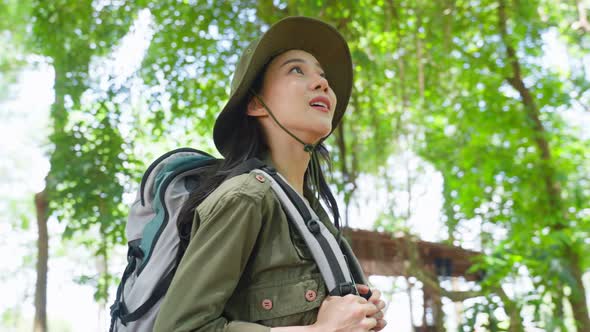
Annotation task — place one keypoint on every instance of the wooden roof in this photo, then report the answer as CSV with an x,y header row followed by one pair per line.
x,y
386,255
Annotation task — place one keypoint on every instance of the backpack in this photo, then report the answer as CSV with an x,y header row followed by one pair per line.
x,y
153,237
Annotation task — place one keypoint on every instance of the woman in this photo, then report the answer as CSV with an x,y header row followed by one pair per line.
x,y
246,268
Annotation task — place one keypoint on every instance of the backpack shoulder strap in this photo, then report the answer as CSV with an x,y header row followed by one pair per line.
x,y
322,244
246,167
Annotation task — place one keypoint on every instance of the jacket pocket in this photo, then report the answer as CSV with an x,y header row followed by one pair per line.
x,y
285,302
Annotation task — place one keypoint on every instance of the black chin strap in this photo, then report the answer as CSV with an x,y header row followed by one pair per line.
x,y
314,167
307,147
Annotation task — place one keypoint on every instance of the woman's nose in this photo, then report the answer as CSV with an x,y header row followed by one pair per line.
x,y
321,83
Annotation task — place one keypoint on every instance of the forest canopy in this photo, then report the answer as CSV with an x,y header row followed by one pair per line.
x,y
490,95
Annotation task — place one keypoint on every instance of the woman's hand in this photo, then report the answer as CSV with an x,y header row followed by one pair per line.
x,y
376,300
350,313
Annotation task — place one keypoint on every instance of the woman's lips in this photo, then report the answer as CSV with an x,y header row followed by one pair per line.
x,y
320,101
321,109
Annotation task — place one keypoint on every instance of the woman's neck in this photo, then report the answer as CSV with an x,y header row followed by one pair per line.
x,y
290,160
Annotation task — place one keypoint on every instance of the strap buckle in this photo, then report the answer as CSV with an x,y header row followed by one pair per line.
x,y
313,226
118,310
343,289
135,252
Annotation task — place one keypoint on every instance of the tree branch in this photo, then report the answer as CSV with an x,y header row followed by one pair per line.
x,y
516,81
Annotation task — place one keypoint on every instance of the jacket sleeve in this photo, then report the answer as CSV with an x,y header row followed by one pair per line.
x,y
211,268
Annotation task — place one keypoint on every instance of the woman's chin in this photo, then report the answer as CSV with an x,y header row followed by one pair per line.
x,y
322,133
313,133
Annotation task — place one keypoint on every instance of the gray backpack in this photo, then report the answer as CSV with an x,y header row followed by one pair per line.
x,y
153,237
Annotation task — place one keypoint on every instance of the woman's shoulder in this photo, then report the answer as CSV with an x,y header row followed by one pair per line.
x,y
248,188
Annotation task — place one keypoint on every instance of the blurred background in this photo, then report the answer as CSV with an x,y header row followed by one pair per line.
x,y
462,167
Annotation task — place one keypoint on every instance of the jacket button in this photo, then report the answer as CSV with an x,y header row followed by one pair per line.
x,y
260,178
310,295
267,304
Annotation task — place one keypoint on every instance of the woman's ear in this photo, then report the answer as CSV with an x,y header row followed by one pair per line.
x,y
255,107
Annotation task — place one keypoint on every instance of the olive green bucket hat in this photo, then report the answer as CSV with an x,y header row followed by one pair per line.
x,y
318,38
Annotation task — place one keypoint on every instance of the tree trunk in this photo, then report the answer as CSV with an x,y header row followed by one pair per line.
x,y
577,297
102,267
437,311
419,54
425,303
512,310
411,302
40,321
558,309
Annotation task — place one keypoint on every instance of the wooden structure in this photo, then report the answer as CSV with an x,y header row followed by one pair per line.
x,y
387,255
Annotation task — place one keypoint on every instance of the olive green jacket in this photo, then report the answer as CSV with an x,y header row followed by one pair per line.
x,y
246,268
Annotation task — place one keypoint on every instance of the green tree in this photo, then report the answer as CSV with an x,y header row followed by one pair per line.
x,y
69,34
506,154
462,82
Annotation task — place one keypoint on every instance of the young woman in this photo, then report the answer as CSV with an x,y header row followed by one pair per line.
x,y
246,268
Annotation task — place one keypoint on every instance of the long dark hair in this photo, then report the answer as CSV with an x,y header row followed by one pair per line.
x,y
246,141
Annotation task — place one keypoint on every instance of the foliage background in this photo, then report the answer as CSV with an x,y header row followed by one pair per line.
x,y
471,92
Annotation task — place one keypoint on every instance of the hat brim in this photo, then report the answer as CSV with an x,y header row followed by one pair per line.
x,y
318,38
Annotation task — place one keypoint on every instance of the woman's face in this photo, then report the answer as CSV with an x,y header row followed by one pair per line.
x,y
297,92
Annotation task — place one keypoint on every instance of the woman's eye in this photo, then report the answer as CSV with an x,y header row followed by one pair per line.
x,y
297,70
